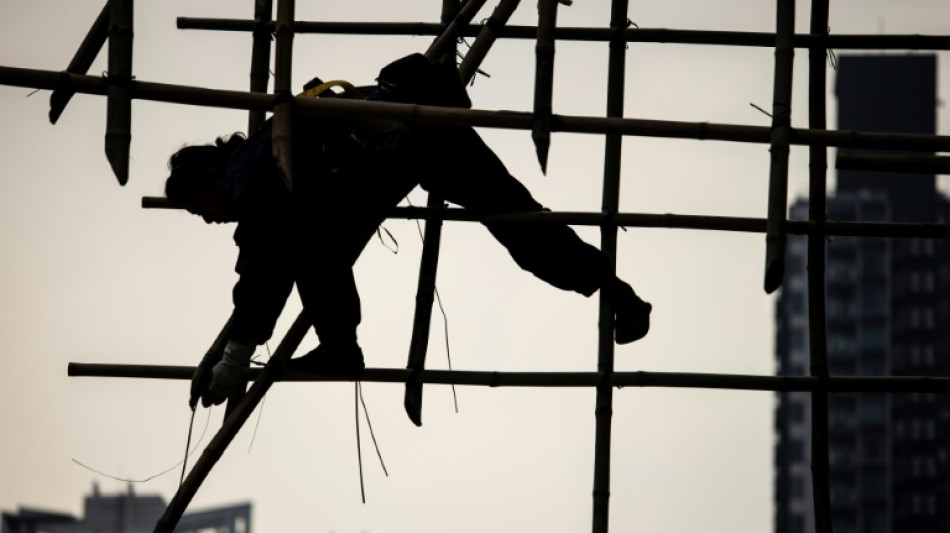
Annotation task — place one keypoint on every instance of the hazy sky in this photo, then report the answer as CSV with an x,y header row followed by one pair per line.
x,y
89,276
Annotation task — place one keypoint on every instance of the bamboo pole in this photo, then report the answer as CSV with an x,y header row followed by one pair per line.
x,y
486,38
781,133
284,105
610,203
818,167
119,106
544,81
411,113
260,59
922,164
81,61
448,37
630,35
662,221
231,425
428,268
739,382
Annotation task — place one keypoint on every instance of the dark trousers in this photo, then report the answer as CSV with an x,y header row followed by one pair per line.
x,y
347,206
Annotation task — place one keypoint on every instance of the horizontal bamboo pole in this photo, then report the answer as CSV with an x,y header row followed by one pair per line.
x,y
561,379
666,221
922,164
632,35
338,107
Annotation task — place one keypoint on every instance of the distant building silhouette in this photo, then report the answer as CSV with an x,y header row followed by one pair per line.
x,y
125,513
887,313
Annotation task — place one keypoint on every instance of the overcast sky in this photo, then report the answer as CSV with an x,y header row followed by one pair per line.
x,y
89,276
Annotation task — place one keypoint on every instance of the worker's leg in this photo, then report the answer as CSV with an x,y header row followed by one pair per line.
x,y
466,172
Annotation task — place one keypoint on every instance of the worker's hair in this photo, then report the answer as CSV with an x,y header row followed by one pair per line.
x,y
194,167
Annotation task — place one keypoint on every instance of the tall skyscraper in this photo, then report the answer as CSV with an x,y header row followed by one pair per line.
x,y
888,314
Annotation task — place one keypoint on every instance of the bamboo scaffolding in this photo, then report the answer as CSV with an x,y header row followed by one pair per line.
x,y
922,164
544,80
690,380
486,38
610,203
411,113
779,149
630,35
119,105
284,106
660,221
231,425
818,166
260,59
428,267
81,61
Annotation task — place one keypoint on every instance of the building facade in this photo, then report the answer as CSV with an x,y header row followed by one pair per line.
x,y
887,314
125,513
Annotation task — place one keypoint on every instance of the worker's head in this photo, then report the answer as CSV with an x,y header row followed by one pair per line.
x,y
196,182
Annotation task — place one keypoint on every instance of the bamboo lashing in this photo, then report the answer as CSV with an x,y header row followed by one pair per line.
x,y
779,146
486,38
817,182
450,34
119,106
81,61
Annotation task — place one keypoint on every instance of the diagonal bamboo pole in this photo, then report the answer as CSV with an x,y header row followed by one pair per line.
x,y
544,80
119,105
260,59
284,103
631,35
81,61
486,38
743,382
231,425
411,113
781,132
603,410
818,166
428,267
449,35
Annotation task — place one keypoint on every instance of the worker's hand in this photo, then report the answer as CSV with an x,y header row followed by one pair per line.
x,y
201,379
229,374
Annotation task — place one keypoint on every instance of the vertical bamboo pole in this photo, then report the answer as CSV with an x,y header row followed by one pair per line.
x,y
283,110
603,412
81,61
428,267
260,59
781,129
486,38
119,105
818,166
544,80
232,424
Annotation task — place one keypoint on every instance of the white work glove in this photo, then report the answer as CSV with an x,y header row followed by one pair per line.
x,y
229,374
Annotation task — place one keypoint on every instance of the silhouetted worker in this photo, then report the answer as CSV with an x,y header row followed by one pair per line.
x,y
347,176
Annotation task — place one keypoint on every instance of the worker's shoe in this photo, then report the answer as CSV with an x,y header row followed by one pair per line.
x,y
330,359
631,313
